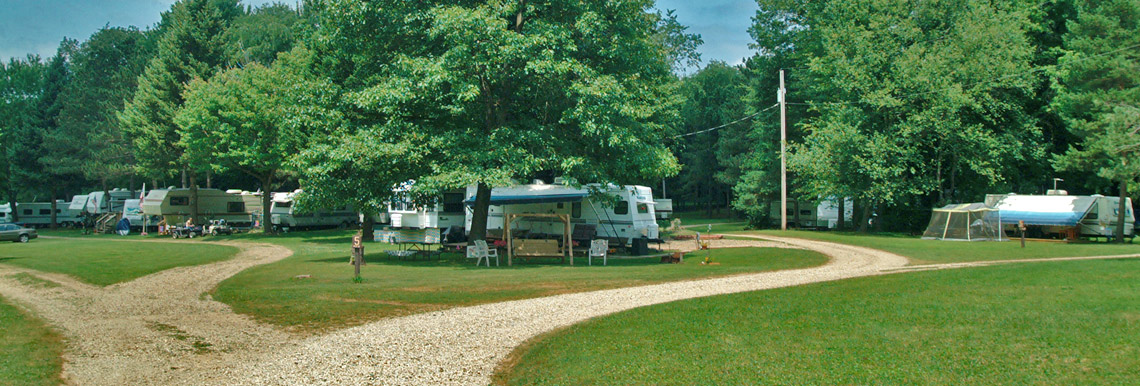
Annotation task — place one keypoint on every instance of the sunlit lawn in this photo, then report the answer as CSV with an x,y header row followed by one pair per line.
x,y
392,287
1069,323
104,259
31,351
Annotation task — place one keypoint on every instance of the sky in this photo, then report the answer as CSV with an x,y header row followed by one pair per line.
x,y
37,26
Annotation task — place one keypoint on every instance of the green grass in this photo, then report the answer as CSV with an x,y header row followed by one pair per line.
x,y
101,261
31,350
1038,323
934,251
393,287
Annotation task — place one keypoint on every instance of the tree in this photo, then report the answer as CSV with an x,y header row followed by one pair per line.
x,y
493,91
1098,86
262,33
91,140
54,180
256,120
192,46
21,89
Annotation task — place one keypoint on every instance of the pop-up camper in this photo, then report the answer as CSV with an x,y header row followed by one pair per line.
x,y
284,217
1088,216
629,215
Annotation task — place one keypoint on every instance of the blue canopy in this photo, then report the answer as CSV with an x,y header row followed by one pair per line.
x,y
531,198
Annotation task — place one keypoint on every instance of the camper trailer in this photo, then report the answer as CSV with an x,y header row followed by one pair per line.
x,y
99,203
664,208
132,212
810,215
448,212
284,218
175,205
38,214
1063,215
630,215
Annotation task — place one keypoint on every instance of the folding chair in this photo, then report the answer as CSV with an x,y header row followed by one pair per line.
x,y
598,248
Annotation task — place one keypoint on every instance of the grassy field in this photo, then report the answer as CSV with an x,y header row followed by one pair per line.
x,y
31,351
104,261
393,287
1038,323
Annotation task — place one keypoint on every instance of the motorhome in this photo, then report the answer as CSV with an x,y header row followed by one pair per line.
x,y
38,214
619,213
284,217
175,206
812,215
1063,215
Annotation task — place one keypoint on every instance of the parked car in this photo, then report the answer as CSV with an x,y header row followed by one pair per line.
x,y
16,233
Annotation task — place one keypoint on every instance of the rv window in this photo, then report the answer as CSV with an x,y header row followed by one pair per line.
x,y
561,205
283,204
235,207
179,201
3,215
643,208
45,212
453,202
622,207
27,212
576,210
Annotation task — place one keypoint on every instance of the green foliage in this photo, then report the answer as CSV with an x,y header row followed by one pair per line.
x,y
261,34
1041,323
21,88
105,262
192,46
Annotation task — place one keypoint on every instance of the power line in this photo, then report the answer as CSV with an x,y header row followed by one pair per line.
x,y
727,124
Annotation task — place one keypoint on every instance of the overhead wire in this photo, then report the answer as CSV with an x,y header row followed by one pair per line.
x,y
749,116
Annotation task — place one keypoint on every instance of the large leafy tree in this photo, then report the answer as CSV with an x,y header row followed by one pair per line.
x,y
21,90
256,120
262,33
492,91
1098,86
192,46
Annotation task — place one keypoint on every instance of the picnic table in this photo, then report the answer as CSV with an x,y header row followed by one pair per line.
x,y
410,242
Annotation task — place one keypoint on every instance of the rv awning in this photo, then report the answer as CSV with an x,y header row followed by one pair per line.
x,y
531,198
1044,210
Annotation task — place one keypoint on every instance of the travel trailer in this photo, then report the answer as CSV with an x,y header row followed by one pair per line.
x,y
38,214
664,208
630,215
448,212
132,212
1063,215
824,215
284,218
252,202
175,205
97,202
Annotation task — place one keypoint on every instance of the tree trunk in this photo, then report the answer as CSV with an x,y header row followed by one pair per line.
x,y
266,202
54,205
194,200
368,226
184,177
481,210
209,179
106,204
1121,214
842,219
864,217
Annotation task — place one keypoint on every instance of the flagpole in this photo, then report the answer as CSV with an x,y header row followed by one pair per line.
x,y
145,218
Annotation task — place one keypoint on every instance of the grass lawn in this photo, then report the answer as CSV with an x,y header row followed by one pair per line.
x,y
102,261
393,287
31,351
934,251
1040,323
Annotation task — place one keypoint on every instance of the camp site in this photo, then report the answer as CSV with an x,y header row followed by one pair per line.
x,y
593,192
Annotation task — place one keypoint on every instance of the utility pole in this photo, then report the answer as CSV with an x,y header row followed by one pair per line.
x,y
782,95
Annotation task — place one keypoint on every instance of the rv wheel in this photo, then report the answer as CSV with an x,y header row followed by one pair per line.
x,y
23,238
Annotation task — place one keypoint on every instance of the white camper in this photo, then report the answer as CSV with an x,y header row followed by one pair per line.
x,y
99,203
284,217
664,208
38,214
175,206
824,215
1053,215
629,216
448,212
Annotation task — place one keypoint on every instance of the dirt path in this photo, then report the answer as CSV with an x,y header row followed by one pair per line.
x,y
152,330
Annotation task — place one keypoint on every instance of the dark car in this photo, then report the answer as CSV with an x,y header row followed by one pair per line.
x,y
13,232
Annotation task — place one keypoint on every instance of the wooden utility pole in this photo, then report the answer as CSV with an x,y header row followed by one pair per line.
x,y
782,95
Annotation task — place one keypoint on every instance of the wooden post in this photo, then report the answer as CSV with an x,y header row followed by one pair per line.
x,y
566,238
1021,226
510,241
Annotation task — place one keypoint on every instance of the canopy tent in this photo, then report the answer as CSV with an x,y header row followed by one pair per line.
x,y
1045,210
965,222
517,199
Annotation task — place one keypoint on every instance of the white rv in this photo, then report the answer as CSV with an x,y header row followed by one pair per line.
x,y
824,215
99,203
630,215
448,212
1052,215
38,214
284,218
175,205
664,208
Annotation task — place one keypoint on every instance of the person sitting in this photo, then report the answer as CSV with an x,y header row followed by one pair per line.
x,y
190,222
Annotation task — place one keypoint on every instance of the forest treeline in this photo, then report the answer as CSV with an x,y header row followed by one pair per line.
x,y
899,105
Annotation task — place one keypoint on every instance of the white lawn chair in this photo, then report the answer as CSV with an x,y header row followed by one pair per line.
x,y
598,248
480,251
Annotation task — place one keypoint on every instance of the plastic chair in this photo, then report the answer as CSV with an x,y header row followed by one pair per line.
x,y
480,251
598,248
